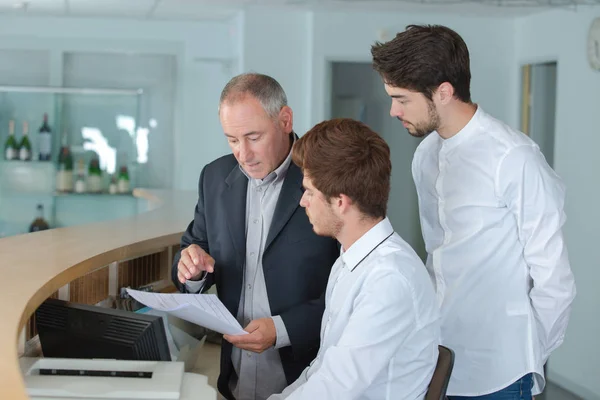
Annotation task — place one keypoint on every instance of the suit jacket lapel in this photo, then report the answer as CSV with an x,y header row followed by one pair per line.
x,y
234,201
289,200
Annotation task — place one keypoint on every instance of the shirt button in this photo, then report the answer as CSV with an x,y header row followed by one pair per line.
x,y
259,189
249,354
249,286
252,254
255,221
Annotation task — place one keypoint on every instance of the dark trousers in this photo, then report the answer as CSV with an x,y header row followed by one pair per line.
x,y
520,390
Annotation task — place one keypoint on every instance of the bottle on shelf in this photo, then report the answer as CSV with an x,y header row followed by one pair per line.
x,y
25,145
80,185
39,223
94,179
123,183
45,140
11,148
64,173
112,187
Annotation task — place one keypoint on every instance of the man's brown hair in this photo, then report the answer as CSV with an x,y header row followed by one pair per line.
x,y
344,156
422,58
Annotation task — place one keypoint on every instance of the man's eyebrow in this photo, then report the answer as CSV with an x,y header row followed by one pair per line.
x,y
398,96
244,135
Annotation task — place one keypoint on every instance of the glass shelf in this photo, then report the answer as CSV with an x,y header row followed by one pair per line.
x,y
93,123
101,194
102,123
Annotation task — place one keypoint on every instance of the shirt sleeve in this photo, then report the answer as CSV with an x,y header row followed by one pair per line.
x,y
536,195
196,286
383,318
283,339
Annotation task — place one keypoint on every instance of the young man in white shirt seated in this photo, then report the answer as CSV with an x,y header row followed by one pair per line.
x,y
380,329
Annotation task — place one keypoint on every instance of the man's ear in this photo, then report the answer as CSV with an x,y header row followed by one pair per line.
x,y
286,119
444,93
344,203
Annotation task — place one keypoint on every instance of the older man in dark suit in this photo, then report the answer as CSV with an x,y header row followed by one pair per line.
x,y
250,237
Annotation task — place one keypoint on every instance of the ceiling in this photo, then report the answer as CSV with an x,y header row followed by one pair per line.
x,y
224,9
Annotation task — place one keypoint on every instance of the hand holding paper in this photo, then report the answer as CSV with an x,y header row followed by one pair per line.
x,y
262,335
201,309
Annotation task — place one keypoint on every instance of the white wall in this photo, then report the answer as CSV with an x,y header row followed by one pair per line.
x,y
561,36
349,36
275,43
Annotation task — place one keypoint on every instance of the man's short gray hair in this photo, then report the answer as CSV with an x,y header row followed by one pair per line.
x,y
265,89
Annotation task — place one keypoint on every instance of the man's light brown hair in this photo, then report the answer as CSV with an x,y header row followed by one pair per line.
x,y
344,156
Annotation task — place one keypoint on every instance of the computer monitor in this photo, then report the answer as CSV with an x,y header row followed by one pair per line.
x,y
72,330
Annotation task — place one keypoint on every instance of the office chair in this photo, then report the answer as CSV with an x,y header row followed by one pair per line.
x,y
441,375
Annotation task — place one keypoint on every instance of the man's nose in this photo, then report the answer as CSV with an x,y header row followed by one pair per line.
x,y
396,112
303,200
245,152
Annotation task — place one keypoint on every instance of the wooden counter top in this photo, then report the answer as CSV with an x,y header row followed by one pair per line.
x,y
35,265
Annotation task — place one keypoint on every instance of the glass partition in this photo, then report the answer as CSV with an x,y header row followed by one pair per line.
x,y
91,146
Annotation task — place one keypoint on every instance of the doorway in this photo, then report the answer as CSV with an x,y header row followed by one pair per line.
x,y
538,105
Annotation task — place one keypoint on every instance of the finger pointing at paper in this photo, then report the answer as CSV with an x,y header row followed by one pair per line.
x,y
193,263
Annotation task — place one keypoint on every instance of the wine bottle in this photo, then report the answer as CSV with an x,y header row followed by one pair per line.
x,y
112,187
80,186
25,145
64,175
94,178
123,182
11,147
45,140
39,224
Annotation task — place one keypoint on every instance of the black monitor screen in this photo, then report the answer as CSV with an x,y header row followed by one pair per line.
x,y
71,330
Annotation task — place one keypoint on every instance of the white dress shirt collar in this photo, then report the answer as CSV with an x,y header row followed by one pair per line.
x,y
471,128
367,242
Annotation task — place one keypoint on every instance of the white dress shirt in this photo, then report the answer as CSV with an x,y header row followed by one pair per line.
x,y
491,213
380,329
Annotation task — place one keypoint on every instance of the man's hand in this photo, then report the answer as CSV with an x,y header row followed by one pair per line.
x,y
261,335
193,262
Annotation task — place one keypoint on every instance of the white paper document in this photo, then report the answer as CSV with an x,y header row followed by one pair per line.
x,y
201,309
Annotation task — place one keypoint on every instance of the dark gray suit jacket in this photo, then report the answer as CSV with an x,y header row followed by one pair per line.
x,y
296,262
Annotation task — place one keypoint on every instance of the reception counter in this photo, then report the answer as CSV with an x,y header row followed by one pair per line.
x,y
36,265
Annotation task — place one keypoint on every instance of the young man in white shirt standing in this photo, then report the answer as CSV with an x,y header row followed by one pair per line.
x,y
491,211
380,329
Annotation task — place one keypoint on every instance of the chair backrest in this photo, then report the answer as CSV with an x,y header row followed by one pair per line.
x,y
441,375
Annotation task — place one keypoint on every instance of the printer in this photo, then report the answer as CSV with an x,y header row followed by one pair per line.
x,y
101,379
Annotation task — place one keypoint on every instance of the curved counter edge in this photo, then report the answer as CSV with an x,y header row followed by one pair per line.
x,y
36,265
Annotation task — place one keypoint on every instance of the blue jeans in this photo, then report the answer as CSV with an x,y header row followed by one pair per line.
x,y
520,390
